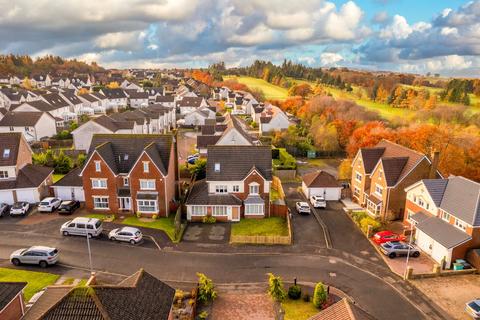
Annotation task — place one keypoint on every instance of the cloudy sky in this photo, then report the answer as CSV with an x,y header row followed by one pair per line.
x,y
438,36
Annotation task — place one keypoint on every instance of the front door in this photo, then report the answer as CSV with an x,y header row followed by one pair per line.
x,y
125,204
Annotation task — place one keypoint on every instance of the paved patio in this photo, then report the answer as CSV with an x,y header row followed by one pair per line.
x,y
239,306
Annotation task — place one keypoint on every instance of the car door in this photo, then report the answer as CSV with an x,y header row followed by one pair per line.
x,y
72,228
90,229
122,236
28,257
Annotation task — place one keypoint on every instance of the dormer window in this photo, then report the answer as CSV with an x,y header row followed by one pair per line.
x,y
6,153
217,167
146,166
98,168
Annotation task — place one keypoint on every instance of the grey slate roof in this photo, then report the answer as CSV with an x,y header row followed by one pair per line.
x,y
236,162
21,119
462,200
320,179
392,169
442,232
30,176
10,141
370,158
436,188
71,179
8,291
420,217
121,151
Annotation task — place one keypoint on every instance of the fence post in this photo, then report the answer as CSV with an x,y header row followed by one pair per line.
x,y
369,231
408,273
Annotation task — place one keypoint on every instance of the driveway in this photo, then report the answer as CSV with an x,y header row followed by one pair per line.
x,y
207,233
187,140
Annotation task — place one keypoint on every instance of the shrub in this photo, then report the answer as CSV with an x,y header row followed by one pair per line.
x,y
139,215
294,292
254,124
357,216
206,289
275,288
319,295
209,219
365,222
306,297
155,216
203,315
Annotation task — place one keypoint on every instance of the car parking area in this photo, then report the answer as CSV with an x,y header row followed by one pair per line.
x,y
207,233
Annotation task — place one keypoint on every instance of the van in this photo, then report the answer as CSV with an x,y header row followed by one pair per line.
x,y
82,226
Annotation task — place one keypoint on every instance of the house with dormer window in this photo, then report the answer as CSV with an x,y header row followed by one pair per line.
x,y
445,216
237,184
130,173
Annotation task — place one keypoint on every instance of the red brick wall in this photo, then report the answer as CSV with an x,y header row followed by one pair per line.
x,y
24,155
461,251
414,208
363,185
255,177
14,310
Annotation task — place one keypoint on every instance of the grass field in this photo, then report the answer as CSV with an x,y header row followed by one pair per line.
x,y
270,91
36,281
165,224
298,309
103,217
274,226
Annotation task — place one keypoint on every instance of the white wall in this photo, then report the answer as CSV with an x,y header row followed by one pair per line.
x,y
65,193
82,136
45,127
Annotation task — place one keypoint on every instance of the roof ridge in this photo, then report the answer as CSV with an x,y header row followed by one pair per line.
x,y
401,146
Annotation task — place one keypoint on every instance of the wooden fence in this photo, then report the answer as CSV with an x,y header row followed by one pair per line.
x,y
286,175
277,185
283,240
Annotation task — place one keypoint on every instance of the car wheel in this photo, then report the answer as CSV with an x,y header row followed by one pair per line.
x,y
392,255
113,239
43,264
132,241
16,262
416,254
65,233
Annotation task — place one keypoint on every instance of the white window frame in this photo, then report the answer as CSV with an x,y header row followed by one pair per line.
x,y
219,188
377,189
98,184
147,206
146,166
445,216
460,224
199,211
252,187
219,211
357,175
217,167
236,188
95,203
6,153
150,184
254,209
356,191
3,174
410,213
98,167
126,183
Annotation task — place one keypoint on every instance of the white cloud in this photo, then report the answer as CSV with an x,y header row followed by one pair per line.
x,y
120,40
330,58
398,29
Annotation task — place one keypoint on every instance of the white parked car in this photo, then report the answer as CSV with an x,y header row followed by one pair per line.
x,y
39,255
82,227
49,204
128,234
302,207
19,208
318,202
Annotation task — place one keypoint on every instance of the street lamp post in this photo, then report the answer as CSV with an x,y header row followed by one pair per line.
x,y
409,245
89,252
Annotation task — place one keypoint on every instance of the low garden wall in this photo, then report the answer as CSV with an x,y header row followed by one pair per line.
x,y
283,240
278,210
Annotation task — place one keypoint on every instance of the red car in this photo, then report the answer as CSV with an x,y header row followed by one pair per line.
x,y
386,236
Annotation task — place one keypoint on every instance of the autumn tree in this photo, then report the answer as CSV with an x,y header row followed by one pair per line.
x,y
368,136
113,85
303,90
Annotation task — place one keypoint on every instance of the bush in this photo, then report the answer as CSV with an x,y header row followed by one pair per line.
x,y
254,124
320,295
209,219
294,292
365,222
275,288
139,215
206,289
306,297
203,315
357,216
155,217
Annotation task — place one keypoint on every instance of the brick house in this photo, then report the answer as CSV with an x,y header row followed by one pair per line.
x,y
381,174
12,305
237,184
445,214
130,173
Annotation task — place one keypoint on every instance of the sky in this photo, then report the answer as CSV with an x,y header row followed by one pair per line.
x,y
418,36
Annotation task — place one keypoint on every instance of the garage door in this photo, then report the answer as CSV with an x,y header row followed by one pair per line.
x,y
6,197
424,242
331,194
30,196
68,193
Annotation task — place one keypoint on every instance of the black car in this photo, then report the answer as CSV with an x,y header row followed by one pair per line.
x,y
68,207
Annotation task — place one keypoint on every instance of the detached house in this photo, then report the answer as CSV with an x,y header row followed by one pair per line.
x,y
237,184
191,104
20,180
130,173
381,174
116,98
138,99
34,125
445,214
273,119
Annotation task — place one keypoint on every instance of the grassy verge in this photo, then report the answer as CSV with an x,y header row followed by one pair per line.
x,y
167,225
274,226
103,217
36,281
57,176
298,309
270,91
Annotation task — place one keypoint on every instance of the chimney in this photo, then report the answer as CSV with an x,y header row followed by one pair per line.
x,y
434,165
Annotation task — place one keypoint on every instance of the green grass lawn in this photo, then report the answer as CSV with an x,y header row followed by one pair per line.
x,y
99,216
298,309
57,176
167,225
274,226
270,91
36,280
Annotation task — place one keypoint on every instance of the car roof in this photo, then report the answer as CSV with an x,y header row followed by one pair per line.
x,y
41,248
303,203
85,220
129,229
385,232
48,198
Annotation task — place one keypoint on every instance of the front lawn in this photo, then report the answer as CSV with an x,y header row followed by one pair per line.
x,y
274,226
167,225
103,217
298,309
36,281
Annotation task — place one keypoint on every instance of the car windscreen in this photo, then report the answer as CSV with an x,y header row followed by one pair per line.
x,y
98,224
53,252
44,203
17,206
474,306
138,233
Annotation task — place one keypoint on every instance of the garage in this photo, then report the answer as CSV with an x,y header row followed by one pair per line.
x,y
28,195
6,197
321,183
69,193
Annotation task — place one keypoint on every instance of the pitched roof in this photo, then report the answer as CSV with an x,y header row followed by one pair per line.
x,y
139,297
39,105
113,124
320,179
204,141
168,98
8,291
71,179
199,196
114,93
10,141
121,151
21,119
138,95
342,310
370,157
462,199
55,100
194,102
236,162
30,176
392,169
436,188
442,232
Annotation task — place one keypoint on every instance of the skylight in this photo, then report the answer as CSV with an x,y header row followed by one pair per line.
x,y
217,167
6,153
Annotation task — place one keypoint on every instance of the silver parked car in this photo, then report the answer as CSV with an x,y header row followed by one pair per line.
x,y
318,202
394,249
302,207
19,208
49,204
128,234
39,255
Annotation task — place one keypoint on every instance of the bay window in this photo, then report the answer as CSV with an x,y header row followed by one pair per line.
x,y
199,211
147,205
254,209
219,211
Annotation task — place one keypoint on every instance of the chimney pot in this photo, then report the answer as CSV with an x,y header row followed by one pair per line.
x,y
434,166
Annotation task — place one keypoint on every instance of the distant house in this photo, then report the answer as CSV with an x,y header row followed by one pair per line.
x,y
33,125
198,117
138,99
191,104
10,97
61,106
445,214
381,174
321,183
12,305
116,98
237,184
130,173
139,296
93,103
41,81
273,119
168,100
154,92
20,180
